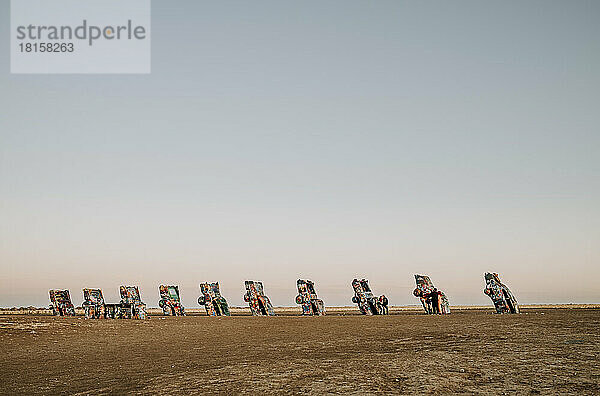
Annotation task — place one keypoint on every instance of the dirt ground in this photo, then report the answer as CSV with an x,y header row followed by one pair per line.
x,y
547,351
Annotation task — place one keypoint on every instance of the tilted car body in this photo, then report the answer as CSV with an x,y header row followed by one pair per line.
x,y
260,305
170,302
130,306
60,303
504,301
364,298
93,304
131,303
423,291
307,298
214,303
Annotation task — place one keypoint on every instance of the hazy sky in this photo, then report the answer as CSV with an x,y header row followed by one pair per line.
x,y
318,139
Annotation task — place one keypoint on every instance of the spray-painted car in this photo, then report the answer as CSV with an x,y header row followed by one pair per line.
x,y
170,302
93,304
213,301
130,306
503,299
60,303
364,298
307,298
425,292
131,303
258,301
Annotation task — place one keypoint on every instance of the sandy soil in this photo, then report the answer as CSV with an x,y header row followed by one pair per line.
x,y
546,351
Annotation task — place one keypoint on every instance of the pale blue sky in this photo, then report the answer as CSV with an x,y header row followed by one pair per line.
x,y
323,140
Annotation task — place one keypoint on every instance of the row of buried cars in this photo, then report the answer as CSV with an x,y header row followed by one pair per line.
x,y
132,307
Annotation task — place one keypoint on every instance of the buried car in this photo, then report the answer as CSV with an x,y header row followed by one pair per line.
x,y
214,303
307,298
364,298
60,303
170,302
258,301
131,303
504,301
432,299
129,307
93,304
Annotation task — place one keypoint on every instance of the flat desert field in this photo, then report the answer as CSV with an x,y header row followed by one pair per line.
x,y
547,351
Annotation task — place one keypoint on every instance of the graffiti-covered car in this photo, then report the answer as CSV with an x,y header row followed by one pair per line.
x,y
131,305
93,304
434,301
170,302
259,303
307,298
214,303
60,303
364,298
504,301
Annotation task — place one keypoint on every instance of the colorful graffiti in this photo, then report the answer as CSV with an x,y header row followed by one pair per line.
x,y
214,303
93,304
504,301
364,298
260,305
307,298
131,306
434,301
170,302
60,303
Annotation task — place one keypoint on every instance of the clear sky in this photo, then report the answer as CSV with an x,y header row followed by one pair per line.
x,y
318,139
